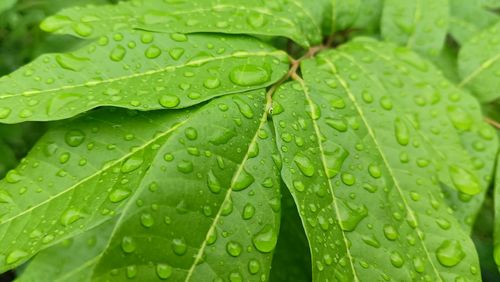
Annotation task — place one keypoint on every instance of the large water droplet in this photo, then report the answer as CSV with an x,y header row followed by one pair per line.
x,y
233,248
179,246
163,270
213,183
464,181
70,216
304,164
128,244
244,180
16,256
249,75
266,239
119,195
74,138
169,101
118,53
132,164
450,253
351,215
402,132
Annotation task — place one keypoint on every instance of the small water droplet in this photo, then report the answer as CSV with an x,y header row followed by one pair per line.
x,y
74,138
164,271
233,248
169,101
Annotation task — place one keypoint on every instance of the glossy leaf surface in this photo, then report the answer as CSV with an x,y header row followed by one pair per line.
x,y
479,64
138,70
419,25
72,259
265,18
209,207
348,138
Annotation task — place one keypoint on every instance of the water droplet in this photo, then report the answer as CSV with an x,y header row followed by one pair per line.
x,y
131,271
70,216
304,164
185,166
386,103
337,124
450,253
249,75
397,260
460,119
348,179
248,211
13,176
119,195
169,101
256,20
179,246
4,112
211,83
464,181
16,256
213,183
244,108
82,29
179,37
402,132
191,133
132,164
374,171
253,266
163,270
244,180
390,232
147,220
266,239
152,52
222,136
351,215
74,138
118,53
233,248
128,244
176,53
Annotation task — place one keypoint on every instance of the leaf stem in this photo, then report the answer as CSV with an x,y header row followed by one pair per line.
x,y
492,122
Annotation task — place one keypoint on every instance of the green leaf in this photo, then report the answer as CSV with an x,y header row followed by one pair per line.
x,y
6,4
358,140
370,13
419,25
60,179
8,159
479,64
292,259
209,207
469,17
341,14
264,18
139,70
447,62
71,260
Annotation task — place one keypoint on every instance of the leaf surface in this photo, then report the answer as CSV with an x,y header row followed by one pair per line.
x,y
6,4
71,260
420,25
366,171
209,207
78,175
263,18
469,17
138,70
479,64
